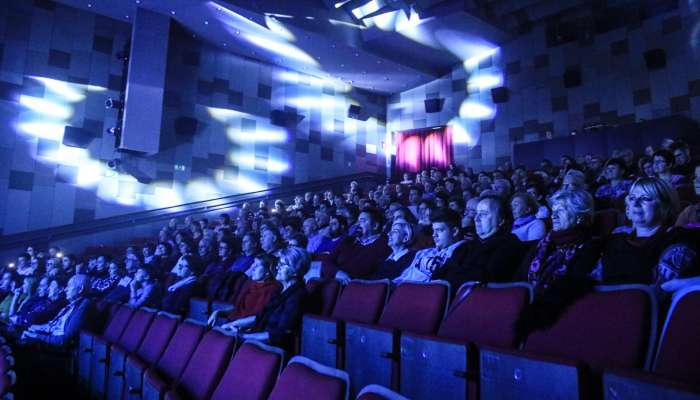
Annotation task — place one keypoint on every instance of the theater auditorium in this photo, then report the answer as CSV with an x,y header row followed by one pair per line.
x,y
350,199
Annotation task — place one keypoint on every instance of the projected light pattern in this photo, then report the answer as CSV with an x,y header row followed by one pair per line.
x,y
476,110
460,133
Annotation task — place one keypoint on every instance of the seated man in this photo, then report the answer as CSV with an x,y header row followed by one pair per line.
x,y
448,247
63,329
176,298
493,256
400,241
41,310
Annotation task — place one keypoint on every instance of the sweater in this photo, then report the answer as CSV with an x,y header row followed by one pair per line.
x,y
254,299
356,259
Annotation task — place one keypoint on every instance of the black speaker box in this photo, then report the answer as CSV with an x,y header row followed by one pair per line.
x,y
434,105
655,59
77,137
499,94
355,112
572,77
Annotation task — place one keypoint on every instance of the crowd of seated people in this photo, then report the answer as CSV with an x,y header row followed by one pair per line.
x,y
511,224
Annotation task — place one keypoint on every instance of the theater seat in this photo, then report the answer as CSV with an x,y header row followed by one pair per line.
x,y
323,337
676,369
305,379
377,392
199,309
604,221
372,352
149,350
445,365
322,295
612,327
251,373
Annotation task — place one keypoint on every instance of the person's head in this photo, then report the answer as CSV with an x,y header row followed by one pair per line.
x,y
205,248
627,156
53,251
523,204
224,219
77,287
225,249
143,275
646,166
596,163
651,202
445,225
115,270
469,212
490,216
337,226
7,279
270,240
401,234
262,267
67,262
185,267
456,204
31,251
322,216
370,221
681,153
29,285
574,180
667,143
615,169
54,291
663,161
102,263
415,193
250,244
571,208
23,259
310,227
696,178
42,289
293,264
502,187
290,226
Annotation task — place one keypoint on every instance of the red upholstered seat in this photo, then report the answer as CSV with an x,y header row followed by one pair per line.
x,y
251,373
323,294
416,307
99,354
304,379
377,392
361,301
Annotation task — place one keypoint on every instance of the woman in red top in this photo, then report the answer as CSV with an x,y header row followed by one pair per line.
x,y
256,293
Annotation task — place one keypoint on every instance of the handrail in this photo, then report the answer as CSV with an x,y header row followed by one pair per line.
x,y
154,215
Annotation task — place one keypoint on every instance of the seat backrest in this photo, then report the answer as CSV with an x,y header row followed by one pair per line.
x,y
251,373
157,337
305,379
678,356
206,365
416,307
136,330
361,301
614,326
378,392
323,295
181,346
118,324
486,315
604,221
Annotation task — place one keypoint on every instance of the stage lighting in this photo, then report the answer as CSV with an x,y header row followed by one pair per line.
x,y
113,103
59,255
114,164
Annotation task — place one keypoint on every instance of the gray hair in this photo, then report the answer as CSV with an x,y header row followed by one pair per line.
x,y
297,258
578,177
405,227
82,280
576,201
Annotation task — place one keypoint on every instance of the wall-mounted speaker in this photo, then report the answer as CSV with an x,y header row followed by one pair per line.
x,y
77,137
434,105
355,112
572,77
499,94
655,59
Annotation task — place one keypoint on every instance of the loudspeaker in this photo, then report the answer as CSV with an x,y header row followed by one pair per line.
x,y
355,112
655,58
77,137
572,77
186,126
287,118
499,94
434,105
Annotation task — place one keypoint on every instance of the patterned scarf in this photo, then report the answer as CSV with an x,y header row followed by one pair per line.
x,y
553,256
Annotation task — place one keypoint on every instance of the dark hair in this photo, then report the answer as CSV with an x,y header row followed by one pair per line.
x,y
457,199
446,216
267,260
341,220
294,222
192,263
225,217
666,155
375,214
498,201
417,188
617,161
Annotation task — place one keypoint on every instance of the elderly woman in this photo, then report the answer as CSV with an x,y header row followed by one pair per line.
x,y
282,314
495,253
559,266
663,164
255,295
651,253
176,298
400,240
526,225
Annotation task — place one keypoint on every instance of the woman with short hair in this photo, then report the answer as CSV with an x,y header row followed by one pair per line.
x,y
663,162
176,298
526,225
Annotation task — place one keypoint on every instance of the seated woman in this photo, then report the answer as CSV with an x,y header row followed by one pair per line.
x,y
42,310
400,241
526,225
176,298
663,164
282,314
650,253
617,186
559,266
18,297
104,283
256,295
144,290
690,216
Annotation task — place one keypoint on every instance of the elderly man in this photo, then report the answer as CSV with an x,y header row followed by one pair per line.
x,y
400,240
495,253
63,329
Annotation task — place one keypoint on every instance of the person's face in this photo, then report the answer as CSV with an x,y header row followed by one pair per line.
x,y
6,280
443,236
258,271
113,270
184,248
648,169
406,177
54,290
519,208
268,241
50,263
146,251
43,288
34,263
366,224
141,275
203,248
696,181
183,269
397,236
162,250
285,273
562,219
649,151
643,209
21,261
52,252
72,290
30,251
65,263
613,172
224,250
335,228
439,202
487,221
413,197
570,183
660,165
533,192
101,263
680,156
500,187
309,227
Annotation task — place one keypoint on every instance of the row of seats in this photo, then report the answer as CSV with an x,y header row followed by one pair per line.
x,y
144,354
417,343
8,377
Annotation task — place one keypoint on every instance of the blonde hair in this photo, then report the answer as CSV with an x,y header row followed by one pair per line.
x,y
661,191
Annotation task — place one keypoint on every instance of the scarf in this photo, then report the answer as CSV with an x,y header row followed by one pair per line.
x,y
554,255
522,221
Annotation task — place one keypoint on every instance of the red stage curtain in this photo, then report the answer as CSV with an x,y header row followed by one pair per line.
x,y
423,148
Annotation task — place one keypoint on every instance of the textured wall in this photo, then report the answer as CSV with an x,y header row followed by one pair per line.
x,y
58,66
616,87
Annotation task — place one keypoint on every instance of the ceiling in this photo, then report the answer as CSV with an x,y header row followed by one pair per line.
x,y
383,46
